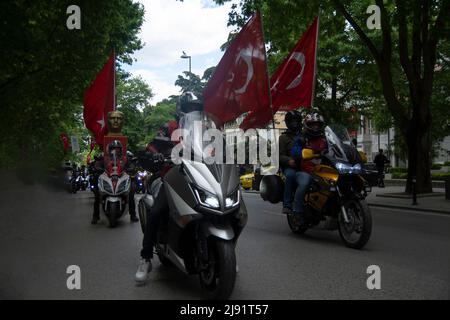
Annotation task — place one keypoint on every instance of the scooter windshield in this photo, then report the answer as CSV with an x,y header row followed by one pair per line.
x,y
194,126
335,146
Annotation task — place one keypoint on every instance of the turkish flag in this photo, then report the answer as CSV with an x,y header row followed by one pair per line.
x,y
99,99
292,84
65,140
240,82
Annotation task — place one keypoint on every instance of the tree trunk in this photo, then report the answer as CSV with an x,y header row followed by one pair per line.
x,y
419,157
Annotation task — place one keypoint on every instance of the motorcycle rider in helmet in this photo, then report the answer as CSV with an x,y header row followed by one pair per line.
x,y
314,138
98,167
153,160
290,143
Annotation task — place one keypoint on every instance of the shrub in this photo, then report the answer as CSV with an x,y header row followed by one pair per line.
x,y
440,176
436,166
434,176
398,170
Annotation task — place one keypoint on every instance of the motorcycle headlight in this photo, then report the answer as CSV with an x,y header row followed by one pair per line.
x,y
122,186
348,169
232,200
107,187
207,199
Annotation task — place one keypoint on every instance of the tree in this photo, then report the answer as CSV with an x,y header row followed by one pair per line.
x,y
420,26
193,83
133,97
401,59
159,115
45,68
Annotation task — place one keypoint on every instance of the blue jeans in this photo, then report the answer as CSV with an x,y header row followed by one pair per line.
x,y
298,182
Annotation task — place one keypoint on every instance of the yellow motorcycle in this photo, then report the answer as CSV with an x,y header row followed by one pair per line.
x,y
336,196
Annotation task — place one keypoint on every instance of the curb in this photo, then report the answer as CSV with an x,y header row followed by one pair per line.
x,y
408,208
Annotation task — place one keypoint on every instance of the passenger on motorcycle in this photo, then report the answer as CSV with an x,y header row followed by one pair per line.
x,y
159,149
290,144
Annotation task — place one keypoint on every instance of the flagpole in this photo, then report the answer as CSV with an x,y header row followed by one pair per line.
x,y
114,77
315,63
267,72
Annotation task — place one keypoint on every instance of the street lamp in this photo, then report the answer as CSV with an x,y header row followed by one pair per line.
x,y
185,56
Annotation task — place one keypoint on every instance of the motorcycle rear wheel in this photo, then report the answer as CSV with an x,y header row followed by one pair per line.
x,y
360,222
219,278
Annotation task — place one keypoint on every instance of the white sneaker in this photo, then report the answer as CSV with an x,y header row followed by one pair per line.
x,y
143,270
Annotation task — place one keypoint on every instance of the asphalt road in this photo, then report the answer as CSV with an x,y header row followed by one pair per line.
x,y
42,232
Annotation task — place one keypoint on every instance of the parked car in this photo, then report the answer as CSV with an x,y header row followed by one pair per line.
x,y
247,180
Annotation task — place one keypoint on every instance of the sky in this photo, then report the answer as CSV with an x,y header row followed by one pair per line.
x,y
197,27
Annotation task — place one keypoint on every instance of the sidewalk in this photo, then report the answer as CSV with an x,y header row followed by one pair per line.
x,y
393,197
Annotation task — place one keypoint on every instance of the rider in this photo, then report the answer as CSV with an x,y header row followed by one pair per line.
x,y
157,150
314,139
98,166
290,155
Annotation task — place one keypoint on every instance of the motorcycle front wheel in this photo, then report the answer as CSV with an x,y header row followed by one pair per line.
x,y
113,212
356,232
220,275
142,211
294,225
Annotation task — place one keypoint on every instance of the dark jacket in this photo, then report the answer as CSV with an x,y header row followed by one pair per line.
x,y
285,143
380,160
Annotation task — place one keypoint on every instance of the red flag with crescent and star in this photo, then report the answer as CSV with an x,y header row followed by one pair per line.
x,y
292,84
240,82
99,99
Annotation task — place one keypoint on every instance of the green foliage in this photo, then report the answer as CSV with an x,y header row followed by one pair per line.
x,y
133,99
440,176
160,114
45,69
193,83
436,166
398,170
434,176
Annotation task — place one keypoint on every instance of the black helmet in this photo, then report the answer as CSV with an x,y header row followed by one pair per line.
x,y
293,120
314,124
116,144
189,102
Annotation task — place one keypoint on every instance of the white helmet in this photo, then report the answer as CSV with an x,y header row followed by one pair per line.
x,y
314,124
